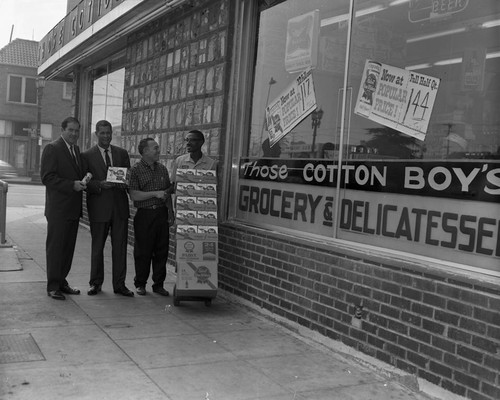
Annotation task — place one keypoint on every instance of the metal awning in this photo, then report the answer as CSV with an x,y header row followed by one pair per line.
x,y
107,35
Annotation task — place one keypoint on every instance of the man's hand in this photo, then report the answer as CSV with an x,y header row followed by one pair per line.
x,y
171,218
78,186
161,194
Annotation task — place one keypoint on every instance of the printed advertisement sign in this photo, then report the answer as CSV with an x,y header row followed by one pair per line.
x,y
197,275
291,107
302,42
397,98
473,65
197,250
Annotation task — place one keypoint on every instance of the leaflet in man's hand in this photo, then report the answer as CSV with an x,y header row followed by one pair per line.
x,y
117,175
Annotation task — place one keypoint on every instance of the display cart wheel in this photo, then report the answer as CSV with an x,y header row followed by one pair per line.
x,y
208,302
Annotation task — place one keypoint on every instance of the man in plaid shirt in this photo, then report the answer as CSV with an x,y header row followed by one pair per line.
x,y
148,189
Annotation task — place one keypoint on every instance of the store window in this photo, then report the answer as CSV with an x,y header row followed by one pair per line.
x,y
400,96
22,89
107,102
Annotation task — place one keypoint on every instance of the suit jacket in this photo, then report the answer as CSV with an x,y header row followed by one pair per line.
x,y
58,172
100,203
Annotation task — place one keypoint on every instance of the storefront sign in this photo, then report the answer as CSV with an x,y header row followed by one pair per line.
x,y
302,42
473,180
77,21
397,98
291,107
442,228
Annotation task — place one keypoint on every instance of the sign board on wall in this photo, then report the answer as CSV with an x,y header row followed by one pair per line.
x,y
290,107
444,210
78,20
397,98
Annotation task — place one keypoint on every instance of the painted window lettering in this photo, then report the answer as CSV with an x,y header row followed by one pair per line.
x,y
477,180
279,203
463,232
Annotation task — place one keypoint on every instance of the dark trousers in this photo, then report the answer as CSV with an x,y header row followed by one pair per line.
x,y
99,231
151,232
59,250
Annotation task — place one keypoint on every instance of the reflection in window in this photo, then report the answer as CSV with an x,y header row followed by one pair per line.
x,y
107,102
284,32
459,46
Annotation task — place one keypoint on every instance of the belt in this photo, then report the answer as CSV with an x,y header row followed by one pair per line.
x,y
155,207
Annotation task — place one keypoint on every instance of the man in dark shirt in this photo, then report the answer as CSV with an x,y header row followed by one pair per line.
x,y
148,186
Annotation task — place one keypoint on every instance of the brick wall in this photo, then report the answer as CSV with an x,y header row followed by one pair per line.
x,y
54,107
432,324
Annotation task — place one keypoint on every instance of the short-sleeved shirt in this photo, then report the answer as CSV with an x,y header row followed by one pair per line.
x,y
186,162
148,178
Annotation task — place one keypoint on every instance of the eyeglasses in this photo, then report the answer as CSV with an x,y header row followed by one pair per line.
x,y
189,140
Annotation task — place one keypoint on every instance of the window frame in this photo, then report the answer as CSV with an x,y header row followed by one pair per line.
x,y
24,79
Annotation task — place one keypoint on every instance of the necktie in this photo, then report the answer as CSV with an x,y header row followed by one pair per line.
x,y
72,151
108,160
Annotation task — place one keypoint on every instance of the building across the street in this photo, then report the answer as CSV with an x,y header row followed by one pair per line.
x,y
358,145
20,93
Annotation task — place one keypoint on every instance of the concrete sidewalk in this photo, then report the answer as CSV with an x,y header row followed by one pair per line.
x,y
112,347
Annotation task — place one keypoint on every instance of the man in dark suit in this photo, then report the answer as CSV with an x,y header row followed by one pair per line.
x,y
61,173
108,208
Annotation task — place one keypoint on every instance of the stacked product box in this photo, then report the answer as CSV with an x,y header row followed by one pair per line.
x,y
196,234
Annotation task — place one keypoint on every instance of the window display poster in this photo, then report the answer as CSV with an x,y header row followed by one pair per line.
x,y
290,107
397,98
302,42
473,64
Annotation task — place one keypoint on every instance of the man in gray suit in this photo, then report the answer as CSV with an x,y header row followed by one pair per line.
x,y
108,208
61,172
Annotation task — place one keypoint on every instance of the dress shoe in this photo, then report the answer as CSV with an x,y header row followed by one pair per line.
x,y
69,290
161,291
141,291
56,294
124,291
93,290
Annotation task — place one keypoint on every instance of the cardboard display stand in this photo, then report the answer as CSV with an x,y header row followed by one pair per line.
x,y
196,236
